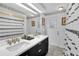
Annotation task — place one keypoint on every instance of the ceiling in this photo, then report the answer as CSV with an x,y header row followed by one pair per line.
x,y
44,7
50,7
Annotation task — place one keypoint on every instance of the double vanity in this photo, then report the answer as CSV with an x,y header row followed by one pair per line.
x,y
38,46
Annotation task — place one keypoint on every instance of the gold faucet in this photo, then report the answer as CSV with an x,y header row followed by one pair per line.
x,y
9,41
13,40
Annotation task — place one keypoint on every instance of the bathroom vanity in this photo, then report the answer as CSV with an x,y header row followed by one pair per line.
x,y
40,49
35,47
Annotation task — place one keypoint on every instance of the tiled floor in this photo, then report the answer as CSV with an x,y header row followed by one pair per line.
x,y
55,51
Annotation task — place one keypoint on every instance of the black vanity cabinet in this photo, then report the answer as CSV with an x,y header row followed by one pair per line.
x,y
40,49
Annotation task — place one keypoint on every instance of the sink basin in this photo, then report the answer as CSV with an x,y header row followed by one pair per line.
x,y
17,46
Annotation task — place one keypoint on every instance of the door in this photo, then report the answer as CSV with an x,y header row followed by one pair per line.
x,y
51,26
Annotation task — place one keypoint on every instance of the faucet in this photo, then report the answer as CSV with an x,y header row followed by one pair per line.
x,y
13,40
9,42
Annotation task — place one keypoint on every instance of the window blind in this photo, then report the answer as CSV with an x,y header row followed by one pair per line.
x,y
10,27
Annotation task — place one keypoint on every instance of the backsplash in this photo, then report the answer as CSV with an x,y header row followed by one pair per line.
x,y
72,30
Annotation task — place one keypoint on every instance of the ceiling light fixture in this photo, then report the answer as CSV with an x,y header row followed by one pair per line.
x,y
60,8
31,5
26,8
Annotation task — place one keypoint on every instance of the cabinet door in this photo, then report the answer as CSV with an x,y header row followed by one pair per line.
x,y
40,49
34,51
44,47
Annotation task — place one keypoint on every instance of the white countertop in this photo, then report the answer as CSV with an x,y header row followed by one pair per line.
x,y
5,52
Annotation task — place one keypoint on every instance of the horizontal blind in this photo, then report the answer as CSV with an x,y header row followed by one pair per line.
x,y
10,27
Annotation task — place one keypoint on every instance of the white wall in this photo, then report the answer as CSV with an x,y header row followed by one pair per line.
x,y
55,31
32,30
43,27
38,25
25,26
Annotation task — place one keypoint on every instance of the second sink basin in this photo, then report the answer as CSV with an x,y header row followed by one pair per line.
x,y
17,46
